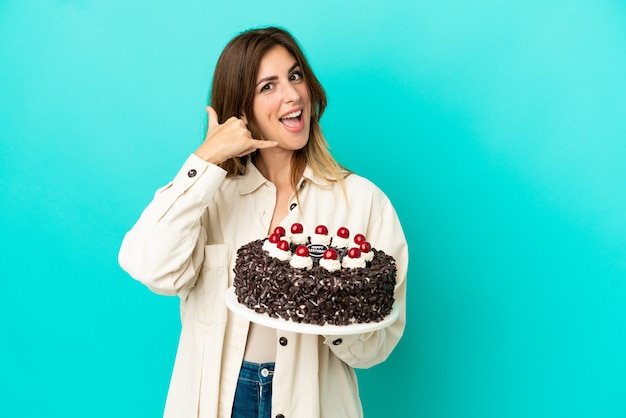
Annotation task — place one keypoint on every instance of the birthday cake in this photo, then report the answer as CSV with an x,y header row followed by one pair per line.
x,y
318,279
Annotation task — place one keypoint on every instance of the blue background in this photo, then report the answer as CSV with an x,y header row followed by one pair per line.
x,y
497,128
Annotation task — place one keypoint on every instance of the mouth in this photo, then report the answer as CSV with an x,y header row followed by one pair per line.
x,y
293,120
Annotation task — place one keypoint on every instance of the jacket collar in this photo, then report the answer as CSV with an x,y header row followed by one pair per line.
x,y
253,179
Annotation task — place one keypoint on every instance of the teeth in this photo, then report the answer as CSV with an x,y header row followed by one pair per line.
x,y
293,114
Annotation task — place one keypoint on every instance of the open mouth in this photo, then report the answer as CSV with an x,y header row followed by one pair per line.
x,y
292,120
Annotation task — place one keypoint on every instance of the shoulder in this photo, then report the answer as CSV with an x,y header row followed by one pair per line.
x,y
362,193
360,181
357,185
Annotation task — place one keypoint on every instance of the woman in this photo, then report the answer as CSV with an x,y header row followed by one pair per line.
x,y
263,163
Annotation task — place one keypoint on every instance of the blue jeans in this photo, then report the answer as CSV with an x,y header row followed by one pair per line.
x,y
253,396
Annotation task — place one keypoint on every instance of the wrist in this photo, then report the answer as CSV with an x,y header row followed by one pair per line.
x,y
209,156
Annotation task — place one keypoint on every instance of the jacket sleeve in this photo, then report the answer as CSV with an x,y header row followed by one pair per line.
x,y
165,248
366,350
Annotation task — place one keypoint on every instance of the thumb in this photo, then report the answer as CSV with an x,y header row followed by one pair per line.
x,y
213,119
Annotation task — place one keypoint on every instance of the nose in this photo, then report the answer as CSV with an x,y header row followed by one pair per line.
x,y
291,94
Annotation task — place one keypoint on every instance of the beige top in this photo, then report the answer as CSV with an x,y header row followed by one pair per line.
x,y
185,244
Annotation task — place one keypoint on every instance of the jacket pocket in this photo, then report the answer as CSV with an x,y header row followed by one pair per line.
x,y
209,302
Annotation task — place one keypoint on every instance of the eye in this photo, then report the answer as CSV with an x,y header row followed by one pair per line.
x,y
266,87
296,76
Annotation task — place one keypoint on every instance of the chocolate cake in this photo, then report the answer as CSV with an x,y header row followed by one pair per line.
x,y
315,280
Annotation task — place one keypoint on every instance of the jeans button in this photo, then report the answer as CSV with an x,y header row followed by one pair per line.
x,y
265,372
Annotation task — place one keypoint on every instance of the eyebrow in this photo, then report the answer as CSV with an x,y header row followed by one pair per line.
x,y
274,77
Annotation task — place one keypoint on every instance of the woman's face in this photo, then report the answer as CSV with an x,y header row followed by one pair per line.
x,y
281,105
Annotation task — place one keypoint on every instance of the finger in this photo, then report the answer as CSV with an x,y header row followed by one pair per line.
x,y
259,144
212,114
256,144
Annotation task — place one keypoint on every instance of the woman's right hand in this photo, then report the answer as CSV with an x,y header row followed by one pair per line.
x,y
230,139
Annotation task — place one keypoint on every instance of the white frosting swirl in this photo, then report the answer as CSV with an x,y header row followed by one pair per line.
x,y
339,242
299,239
267,245
280,254
353,263
330,265
300,262
368,256
320,239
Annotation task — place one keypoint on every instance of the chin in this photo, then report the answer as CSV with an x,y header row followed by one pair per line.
x,y
295,144
292,147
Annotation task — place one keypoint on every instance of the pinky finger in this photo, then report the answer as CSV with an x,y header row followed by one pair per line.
x,y
264,144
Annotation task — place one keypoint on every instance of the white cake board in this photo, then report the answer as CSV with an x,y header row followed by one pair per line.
x,y
287,325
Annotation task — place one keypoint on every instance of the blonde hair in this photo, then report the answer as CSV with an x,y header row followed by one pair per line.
x,y
232,94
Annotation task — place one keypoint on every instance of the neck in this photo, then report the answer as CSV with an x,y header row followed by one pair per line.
x,y
275,166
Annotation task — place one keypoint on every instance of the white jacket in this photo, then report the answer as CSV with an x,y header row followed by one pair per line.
x,y
185,243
